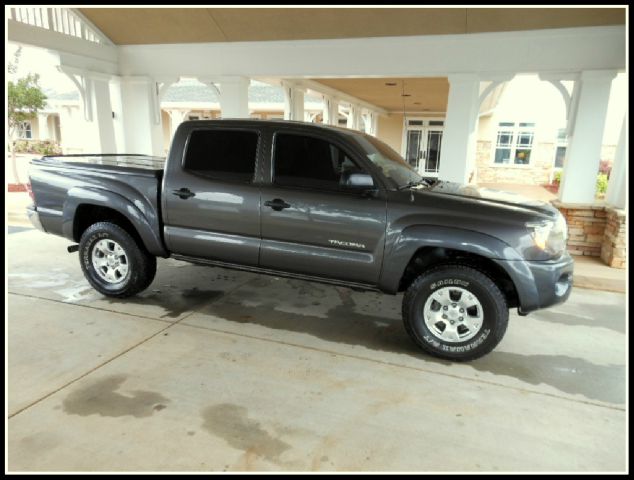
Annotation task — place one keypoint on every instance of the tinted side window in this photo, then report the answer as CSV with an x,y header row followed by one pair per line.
x,y
223,154
301,161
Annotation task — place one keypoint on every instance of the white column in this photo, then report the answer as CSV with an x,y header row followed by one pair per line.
x,y
67,127
293,103
370,123
142,116
354,117
234,97
42,123
331,111
350,121
583,154
103,136
97,133
117,115
373,124
176,118
618,176
457,153
358,120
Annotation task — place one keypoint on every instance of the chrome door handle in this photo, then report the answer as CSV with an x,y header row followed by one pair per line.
x,y
277,204
183,193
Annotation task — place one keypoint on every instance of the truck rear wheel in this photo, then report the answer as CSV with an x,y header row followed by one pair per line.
x,y
455,312
113,262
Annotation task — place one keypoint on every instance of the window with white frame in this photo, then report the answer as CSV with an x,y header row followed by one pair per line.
x,y
514,143
24,130
560,150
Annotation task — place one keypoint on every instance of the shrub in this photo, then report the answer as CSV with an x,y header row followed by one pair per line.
x,y
42,147
602,183
605,167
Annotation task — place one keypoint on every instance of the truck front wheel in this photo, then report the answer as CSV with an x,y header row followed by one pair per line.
x,y
112,261
455,312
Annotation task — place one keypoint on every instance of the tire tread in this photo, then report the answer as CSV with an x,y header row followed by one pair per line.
x,y
479,276
145,261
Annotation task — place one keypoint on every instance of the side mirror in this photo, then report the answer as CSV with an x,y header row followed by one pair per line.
x,y
362,181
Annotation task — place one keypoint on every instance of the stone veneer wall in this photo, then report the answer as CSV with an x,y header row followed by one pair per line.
x,y
536,173
597,231
614,247
586,227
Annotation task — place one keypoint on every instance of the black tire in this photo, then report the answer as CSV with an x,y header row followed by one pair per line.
x,y
495,312
141,265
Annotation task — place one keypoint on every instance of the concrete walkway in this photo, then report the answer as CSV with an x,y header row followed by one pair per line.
x,y
535,192
212,370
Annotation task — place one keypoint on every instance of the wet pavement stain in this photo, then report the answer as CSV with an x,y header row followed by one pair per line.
x,y
42,442
174,304
611,317
342,324
232,423
572,375
348,323
101,398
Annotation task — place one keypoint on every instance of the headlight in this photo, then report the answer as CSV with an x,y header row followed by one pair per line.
x,y
550,236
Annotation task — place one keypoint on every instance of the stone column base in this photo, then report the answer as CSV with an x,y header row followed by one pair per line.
x,y
614,247
586,227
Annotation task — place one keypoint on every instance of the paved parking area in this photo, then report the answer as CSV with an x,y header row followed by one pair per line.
x,y
217,370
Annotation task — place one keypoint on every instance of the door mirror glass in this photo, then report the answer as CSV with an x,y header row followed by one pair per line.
x,y
361,181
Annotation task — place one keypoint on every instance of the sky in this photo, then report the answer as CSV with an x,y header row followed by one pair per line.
x,y
525,98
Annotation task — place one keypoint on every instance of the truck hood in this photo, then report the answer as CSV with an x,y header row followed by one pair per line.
x,y
491,195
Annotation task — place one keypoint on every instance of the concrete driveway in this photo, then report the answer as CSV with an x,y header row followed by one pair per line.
x,y
213,370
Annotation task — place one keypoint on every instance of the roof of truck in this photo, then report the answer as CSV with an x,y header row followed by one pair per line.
x,y
284,123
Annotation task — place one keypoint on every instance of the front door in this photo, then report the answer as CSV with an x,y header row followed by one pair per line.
x,y
423,141
318,215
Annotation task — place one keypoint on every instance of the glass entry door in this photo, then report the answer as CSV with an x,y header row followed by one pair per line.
x,y
423,142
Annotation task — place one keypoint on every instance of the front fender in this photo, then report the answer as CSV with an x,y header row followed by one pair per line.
x,y
104,198
413,238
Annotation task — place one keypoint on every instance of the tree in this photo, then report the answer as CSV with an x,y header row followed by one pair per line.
x,y
25,99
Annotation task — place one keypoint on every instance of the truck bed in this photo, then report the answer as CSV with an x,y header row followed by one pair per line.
x,y
130,184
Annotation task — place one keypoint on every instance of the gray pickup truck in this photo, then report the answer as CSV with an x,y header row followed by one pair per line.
x,y
316,203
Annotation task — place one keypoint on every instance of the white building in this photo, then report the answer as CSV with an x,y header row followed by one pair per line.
x,y
393,67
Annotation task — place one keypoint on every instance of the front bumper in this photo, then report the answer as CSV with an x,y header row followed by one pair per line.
x,y
540,284
553,282
34,217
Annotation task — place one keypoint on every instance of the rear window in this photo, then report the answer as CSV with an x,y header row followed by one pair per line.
x,y
222,154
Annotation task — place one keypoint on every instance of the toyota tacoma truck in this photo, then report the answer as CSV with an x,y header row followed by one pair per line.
x,y
317,203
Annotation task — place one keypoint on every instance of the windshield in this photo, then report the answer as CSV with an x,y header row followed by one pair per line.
x,y
391,163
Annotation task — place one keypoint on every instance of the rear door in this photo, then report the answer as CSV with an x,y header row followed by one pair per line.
x,y
313,220
212,205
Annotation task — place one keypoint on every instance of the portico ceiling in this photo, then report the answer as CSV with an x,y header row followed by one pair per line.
x,y
129,26
420,94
